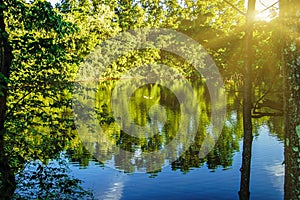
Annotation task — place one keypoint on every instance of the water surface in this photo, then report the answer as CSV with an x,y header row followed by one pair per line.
x,y
190,176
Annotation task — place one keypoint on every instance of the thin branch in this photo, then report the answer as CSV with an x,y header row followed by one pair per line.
x,y
264,114
260,1
263,96
15,105
234,7
267,8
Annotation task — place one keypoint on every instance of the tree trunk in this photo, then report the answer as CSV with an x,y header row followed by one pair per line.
x,y
289,14
7,178
244,192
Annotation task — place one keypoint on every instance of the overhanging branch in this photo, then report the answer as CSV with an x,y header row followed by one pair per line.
x,y
235,8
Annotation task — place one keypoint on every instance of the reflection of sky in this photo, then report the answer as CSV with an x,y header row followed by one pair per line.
x,y
107,183
277,172
267,171
231,120
114,191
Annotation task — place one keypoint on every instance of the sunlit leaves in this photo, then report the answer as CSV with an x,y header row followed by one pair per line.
x,y
39,122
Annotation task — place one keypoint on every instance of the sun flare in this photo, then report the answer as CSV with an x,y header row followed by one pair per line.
x,y
266,10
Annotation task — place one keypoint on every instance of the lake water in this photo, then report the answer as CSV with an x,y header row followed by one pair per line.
x,y
139,140
199,183
215,176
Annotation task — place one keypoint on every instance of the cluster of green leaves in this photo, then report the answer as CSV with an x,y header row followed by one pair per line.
x,y
39,118
206,22
217,25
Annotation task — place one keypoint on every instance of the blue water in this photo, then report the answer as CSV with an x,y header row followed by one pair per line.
x,y
199,183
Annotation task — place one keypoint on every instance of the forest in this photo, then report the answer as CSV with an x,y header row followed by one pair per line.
x,y
50,79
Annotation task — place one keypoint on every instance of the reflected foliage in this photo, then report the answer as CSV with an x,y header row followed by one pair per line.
x,y
51,181
157,109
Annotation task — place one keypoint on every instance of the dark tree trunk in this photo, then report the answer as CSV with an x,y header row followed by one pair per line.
x,y
244,192
289,14
7,178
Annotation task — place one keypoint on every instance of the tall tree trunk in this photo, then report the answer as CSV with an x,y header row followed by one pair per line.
x,y
244,192
7,178
290,16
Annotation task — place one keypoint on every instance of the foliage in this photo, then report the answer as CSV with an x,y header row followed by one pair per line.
x,y
39,100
